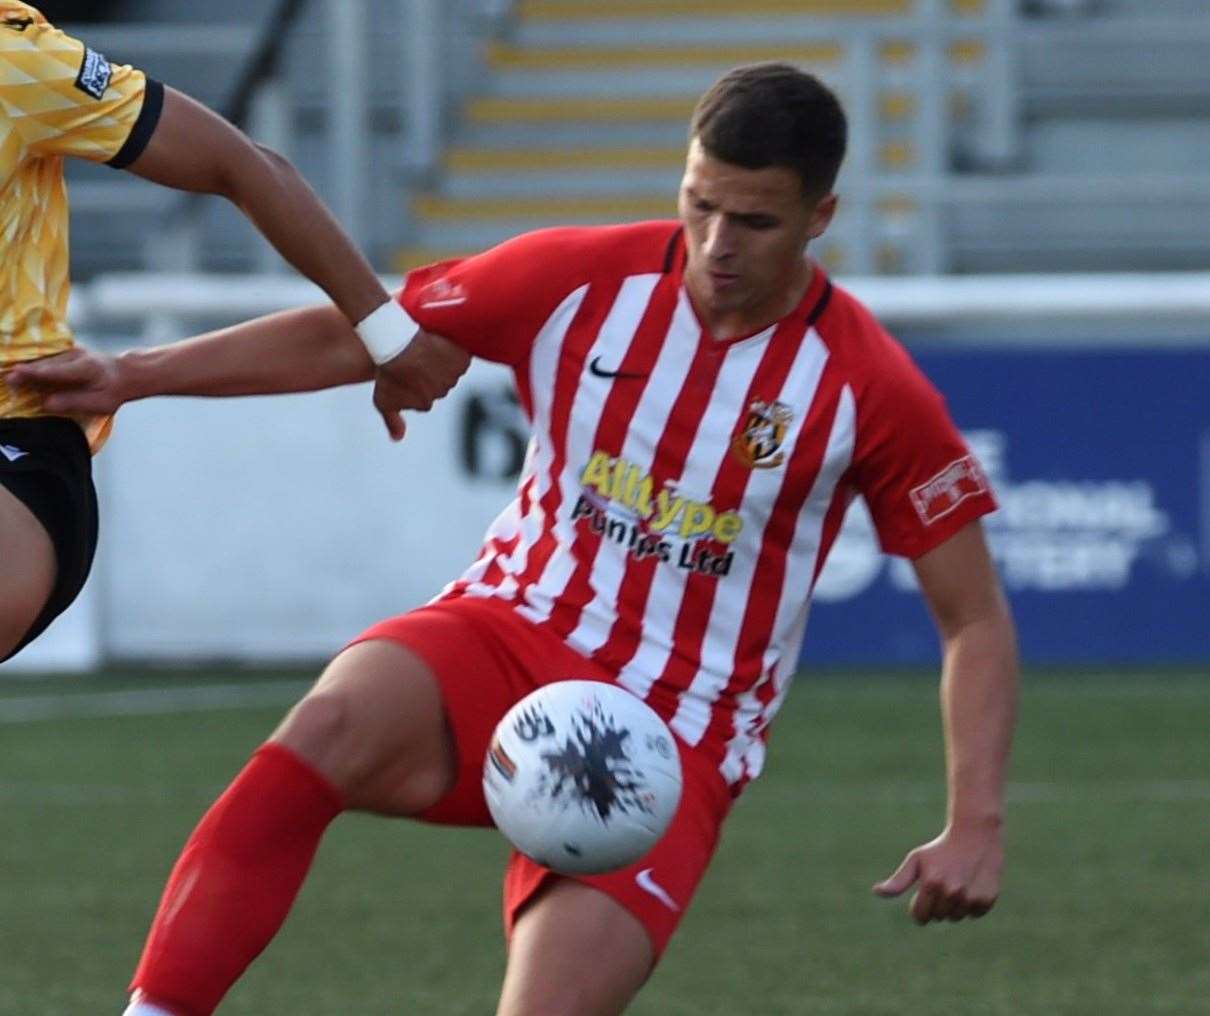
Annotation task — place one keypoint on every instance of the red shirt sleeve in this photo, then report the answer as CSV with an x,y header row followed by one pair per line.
x,y
494,304
918,477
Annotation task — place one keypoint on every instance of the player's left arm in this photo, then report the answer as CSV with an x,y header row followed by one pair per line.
x,y
957,874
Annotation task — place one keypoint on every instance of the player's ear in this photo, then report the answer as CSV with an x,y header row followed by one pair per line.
x,y
822,214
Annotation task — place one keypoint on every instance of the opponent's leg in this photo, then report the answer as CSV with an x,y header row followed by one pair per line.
x,y
27,570
371,736
574,950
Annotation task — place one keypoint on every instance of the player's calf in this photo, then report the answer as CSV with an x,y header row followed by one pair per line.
x,y
235,881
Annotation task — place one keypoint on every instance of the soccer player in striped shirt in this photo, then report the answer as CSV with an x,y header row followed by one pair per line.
x,y
60,99
705,404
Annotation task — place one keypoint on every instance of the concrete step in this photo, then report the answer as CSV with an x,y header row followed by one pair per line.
x,y
481,173
595,11
640,70
1117,66
474,224
571,133
675,31
508,58
599,183
894,105
496,160
609,172
580,109
691,23
1080,222
583,208
633,81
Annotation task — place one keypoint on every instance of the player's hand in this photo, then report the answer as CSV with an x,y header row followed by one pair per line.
x,y
957,875
77,381
426,370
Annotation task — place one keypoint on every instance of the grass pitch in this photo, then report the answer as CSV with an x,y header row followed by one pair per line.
x,y
1106,905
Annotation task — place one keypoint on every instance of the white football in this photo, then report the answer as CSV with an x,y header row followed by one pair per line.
x,y
582,777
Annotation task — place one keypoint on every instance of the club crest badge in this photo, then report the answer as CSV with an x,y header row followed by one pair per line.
x,y
758,443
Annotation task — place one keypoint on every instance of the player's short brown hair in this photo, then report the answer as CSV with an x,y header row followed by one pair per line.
x,y
773,114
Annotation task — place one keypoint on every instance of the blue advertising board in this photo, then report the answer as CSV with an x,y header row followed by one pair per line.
x,y
1101,463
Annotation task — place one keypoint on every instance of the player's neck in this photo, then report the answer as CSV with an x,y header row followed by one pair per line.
x,y
734,323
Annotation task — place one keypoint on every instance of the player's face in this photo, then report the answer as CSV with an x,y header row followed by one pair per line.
x,y
746,231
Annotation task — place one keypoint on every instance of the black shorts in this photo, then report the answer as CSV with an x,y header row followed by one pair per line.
x,y
46,464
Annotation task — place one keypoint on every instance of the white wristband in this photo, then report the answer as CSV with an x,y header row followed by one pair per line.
x,y
386,331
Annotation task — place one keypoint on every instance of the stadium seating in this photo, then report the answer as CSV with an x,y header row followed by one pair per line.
x,y
581,123
989,135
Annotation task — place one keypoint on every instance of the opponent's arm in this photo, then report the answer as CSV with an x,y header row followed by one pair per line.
x,y
958,873
194,149
292,351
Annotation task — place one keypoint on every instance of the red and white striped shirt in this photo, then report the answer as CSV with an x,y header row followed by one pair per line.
x,y
681,492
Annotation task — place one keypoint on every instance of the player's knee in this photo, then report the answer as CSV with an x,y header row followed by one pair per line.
x,y
322,730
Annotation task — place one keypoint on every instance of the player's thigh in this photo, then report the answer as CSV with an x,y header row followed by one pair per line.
x,y
27,570
374,725
574,950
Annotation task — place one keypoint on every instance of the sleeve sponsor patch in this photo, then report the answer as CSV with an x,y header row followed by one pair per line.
x,y
94,75
936,498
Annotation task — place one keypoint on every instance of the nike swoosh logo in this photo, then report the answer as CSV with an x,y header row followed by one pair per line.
x,y
597,370
11,453
649,885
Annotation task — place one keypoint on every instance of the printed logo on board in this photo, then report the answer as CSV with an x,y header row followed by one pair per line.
x,y
1053,535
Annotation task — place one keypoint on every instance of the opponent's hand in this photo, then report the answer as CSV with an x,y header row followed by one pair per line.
x,y
958,875
426,370
77,381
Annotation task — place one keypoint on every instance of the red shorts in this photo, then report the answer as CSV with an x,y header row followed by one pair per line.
x,y
486,657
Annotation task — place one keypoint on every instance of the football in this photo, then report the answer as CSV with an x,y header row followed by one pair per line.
x,y
582,777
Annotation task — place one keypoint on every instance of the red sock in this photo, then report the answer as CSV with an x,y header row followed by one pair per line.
x,y
235,881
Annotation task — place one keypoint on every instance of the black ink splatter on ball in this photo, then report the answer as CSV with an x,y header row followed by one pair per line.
x,y
593,769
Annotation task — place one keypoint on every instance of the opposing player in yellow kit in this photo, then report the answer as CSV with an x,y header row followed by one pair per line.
x,y
62,99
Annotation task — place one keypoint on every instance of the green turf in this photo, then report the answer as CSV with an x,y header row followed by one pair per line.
x,y
1106,908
